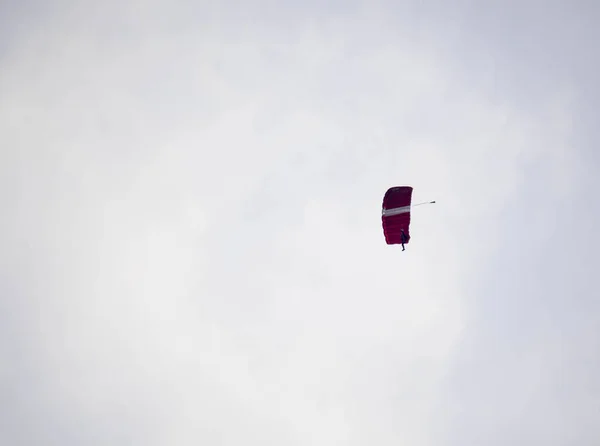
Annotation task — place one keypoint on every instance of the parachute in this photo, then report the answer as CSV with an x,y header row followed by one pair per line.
x,y
395,215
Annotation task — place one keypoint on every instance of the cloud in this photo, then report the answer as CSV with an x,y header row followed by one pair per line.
x,y
193,250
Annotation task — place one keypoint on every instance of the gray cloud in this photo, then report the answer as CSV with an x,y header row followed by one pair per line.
x,y
192,250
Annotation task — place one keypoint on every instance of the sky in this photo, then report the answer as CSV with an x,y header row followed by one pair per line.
x,y
192,250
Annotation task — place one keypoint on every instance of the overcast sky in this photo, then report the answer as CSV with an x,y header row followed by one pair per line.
x,y
191,247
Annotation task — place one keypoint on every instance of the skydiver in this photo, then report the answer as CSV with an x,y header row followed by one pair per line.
x,y
403,238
